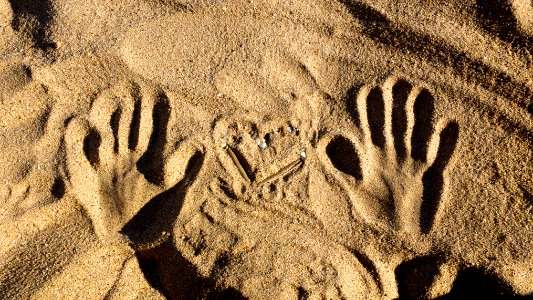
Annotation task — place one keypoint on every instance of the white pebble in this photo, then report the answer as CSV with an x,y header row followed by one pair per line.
x,y
303,153
262,145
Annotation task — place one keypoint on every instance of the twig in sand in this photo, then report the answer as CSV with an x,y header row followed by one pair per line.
x,y
284,171
237,164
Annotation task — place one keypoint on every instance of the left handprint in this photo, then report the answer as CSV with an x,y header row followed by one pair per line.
x,y
116,158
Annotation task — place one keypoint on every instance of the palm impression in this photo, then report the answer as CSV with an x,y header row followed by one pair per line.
x,y
393,165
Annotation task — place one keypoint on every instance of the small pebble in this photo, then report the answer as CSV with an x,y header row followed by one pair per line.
x,y
303,153
262,145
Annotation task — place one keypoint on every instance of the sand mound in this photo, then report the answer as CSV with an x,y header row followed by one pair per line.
x,y
265,149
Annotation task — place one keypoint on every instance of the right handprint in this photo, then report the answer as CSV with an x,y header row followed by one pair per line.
x,y
393,164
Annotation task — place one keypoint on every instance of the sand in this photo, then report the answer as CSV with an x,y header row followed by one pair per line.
x,y
266,149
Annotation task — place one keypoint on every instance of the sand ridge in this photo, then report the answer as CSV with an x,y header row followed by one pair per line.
x,y
265,149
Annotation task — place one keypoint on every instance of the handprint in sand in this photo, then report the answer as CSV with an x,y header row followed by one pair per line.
x,y
117,159
393,167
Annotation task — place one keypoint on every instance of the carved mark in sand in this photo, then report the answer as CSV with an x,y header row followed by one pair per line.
x,y
259,157
394,171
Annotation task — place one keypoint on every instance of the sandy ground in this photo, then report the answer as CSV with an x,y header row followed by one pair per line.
x,y
266,149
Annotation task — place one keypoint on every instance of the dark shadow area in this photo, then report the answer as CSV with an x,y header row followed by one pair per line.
x,y
176,278
163,265
433,178
350,101
497,18
474,283
423,110
34,17
227,294
400,93
133,138
227,190
151,162
58,188
170,273
380,29
161,212
303,294
91,144
343,156
375,110
415,277
114,123
527,195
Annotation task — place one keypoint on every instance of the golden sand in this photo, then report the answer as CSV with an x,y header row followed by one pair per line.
x,y
266,149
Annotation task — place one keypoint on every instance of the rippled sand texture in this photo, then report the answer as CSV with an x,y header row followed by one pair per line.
x,y
266,149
